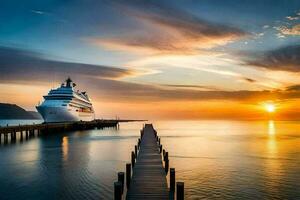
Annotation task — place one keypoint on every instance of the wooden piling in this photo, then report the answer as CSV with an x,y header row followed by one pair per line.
x,y
132,159
117,190
13,137
172,179
21,135
121,180
128,175
166,166
166,157
180,191
5,138
139,143
135,150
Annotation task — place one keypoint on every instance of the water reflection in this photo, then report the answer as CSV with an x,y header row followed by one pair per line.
x,y
273,166
65,147
271,127
215,159
66,167
272,140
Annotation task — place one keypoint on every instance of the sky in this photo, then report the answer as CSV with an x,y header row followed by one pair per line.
x,y
167,59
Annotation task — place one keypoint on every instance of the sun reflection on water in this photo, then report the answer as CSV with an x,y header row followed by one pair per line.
x,y
271,128
65,147
272,142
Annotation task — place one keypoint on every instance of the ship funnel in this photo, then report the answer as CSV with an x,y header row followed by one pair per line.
x,y
68,81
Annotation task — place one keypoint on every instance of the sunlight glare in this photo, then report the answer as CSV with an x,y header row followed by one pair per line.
x,y
270,108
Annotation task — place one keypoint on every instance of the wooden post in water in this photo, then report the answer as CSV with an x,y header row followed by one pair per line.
x,y
21,135
172,179
27,134
132,159
166,166
135,150
139,143
13,136
121,180
128,175
118,191
180,190
166,157
142,133
5,138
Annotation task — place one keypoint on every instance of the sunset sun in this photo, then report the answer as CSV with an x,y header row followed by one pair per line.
x,y
270,108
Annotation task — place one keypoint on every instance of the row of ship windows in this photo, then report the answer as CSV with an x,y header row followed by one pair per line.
x,y
75,100
71,105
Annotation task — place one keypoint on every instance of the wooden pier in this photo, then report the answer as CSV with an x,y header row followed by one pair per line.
x,y
27,131
148,180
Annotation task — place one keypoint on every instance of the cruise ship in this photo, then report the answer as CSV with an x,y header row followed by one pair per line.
x,y
65,104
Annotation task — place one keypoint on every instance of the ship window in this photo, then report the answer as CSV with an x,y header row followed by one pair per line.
x,y
64,104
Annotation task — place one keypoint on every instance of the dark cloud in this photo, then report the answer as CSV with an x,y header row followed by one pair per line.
x,y
21,65
293,88
168,29
250,80
281,59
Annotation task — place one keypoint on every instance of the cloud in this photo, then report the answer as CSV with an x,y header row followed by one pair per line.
x,y
165,29
20,65
104,83
294,30
38,12
188,86
293,88
250,80
281,59
291,18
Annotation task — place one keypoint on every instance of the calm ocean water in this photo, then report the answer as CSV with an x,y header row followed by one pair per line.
x,y
215,159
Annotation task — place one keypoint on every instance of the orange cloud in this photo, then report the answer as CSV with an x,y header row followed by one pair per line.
x,y
294,30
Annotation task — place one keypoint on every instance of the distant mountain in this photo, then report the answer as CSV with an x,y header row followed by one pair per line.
x,y
35,114
12,111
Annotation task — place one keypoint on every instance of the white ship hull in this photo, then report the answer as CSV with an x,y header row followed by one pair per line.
x,y
63,114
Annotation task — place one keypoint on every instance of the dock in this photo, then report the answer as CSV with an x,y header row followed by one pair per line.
x,y
10,133
149,177
150,166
